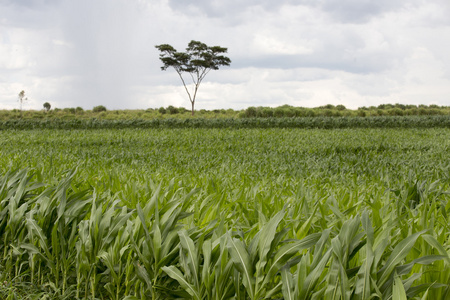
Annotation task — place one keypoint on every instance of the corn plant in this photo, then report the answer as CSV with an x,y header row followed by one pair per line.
x,y
225,213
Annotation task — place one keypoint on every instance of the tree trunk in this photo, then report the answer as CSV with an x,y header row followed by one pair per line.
x,y
192,111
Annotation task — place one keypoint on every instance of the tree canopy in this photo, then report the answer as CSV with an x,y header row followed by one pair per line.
x,y
198,60
22,98
47,106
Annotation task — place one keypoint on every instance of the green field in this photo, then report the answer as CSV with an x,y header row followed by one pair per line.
x,y
250,213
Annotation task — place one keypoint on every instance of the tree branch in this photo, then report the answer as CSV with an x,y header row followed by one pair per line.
x,y
185,87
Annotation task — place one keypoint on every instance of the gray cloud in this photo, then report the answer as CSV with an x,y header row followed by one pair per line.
x,y
87,53
347,11
359,11
219,9
359,66
31,4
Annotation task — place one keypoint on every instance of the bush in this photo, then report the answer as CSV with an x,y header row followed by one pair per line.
x,y
385,106
279,112
400,106
99,108
411,111
361,113
70,110
172,110
433,111
310,113
395,112
162,110
289,111
328,106
328,112
266,112
250,112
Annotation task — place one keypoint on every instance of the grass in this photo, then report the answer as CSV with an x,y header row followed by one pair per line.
x,y
225,214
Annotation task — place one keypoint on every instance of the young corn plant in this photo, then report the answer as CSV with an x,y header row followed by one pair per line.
x,y
52,232
96,235
259,262
205,268
307,280
16,188
118,259
155,240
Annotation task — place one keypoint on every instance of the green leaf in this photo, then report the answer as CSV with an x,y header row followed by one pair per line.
x,y
265,241
192,255
398,254
34,228
242,262
431,240
303,231
288,284
363,286
424,260
173,272
143,275
286,252
314,276
267,236
398,291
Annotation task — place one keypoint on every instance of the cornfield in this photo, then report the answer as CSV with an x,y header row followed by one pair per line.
x,y
225,214
433,121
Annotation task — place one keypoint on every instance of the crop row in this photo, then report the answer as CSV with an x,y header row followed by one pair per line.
x,y
442,121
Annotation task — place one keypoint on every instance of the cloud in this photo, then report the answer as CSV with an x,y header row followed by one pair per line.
x,y
87,53
231,10
345,11
359,11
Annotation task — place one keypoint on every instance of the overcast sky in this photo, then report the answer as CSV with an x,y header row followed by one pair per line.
x,y
298,52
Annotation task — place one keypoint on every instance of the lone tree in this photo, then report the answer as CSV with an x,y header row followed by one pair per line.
x,y
22,98
47,106
198,60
